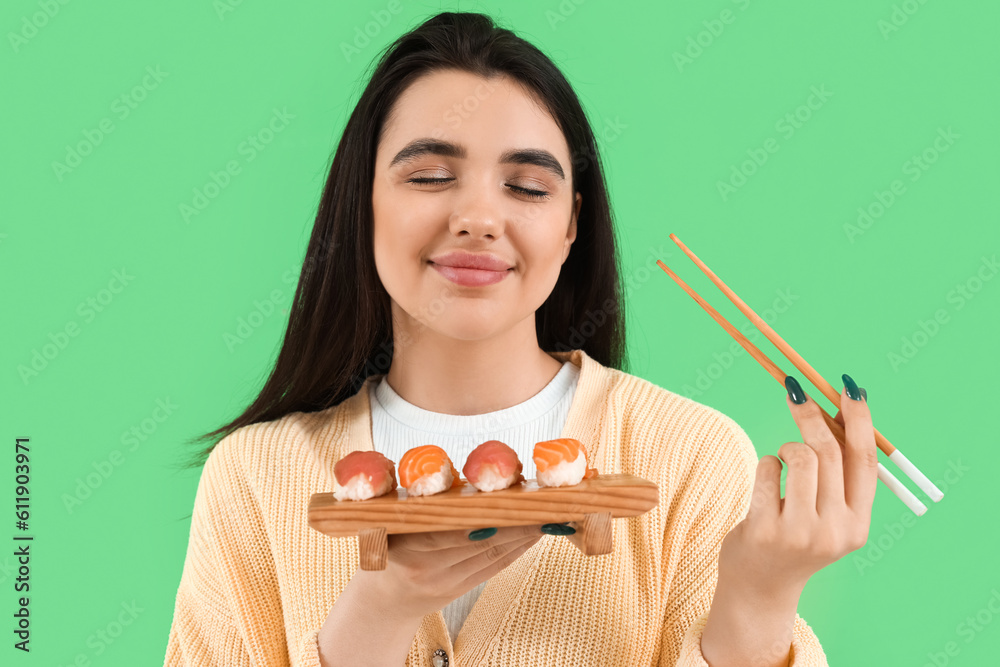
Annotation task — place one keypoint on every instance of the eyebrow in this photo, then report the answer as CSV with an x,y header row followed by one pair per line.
x,y
429,146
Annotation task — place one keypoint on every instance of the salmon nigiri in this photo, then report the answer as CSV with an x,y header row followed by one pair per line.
x,y
363,475
426,470
492,466
562,462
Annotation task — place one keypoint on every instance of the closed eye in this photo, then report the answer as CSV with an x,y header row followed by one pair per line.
x,y
533,194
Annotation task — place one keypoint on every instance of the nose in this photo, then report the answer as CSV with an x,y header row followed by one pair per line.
x,y
478,212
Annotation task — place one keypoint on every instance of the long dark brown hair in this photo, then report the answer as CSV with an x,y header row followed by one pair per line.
x,y
339,329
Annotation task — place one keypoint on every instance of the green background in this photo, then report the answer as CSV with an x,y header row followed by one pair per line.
x,y
670,131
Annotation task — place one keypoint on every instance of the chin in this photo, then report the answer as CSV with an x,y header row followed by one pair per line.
x,y
465,324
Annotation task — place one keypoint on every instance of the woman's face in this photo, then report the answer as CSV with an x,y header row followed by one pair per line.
x,y
505,190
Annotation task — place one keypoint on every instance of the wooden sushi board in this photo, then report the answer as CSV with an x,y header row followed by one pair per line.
x,y
589,507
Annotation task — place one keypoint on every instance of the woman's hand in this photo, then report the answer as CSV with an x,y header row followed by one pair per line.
x,y
826,511
767,558
426,571
382,610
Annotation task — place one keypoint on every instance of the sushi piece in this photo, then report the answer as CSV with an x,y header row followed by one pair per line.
x,y
493,466
562,462
426,470
363,475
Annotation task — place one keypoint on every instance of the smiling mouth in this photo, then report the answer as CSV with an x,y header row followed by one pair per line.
x,y
470,277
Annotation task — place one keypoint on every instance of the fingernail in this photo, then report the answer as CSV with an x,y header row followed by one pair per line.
x,y
864,393
852,387
558,529
482,534
795,390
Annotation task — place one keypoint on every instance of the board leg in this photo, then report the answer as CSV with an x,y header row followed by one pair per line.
x,y
373,549
593,534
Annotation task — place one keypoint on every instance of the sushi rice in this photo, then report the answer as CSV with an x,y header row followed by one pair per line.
x,y
358,487
493,466
490,479
564,473
426,470
361,475
435,482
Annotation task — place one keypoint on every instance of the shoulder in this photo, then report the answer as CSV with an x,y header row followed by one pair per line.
x,y
274,453
677,433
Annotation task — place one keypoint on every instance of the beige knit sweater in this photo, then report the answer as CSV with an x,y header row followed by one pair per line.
x,y
258,582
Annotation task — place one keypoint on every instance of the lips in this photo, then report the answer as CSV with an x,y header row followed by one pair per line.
x,y
482,261
470,277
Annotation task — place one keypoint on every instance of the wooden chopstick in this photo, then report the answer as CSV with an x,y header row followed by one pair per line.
x,y
887,477
887,447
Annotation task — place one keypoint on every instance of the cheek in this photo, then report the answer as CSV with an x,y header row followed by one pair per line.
x,y
543,266
399,244
544,249
384,241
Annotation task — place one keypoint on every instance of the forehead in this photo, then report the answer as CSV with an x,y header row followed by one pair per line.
x,y
487,116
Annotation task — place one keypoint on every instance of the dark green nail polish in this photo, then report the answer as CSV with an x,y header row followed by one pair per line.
x,y
852,387
864,393
482,534
795,390
558,529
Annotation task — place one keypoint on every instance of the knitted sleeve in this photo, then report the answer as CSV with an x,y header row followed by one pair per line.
x,y
228,610
719,493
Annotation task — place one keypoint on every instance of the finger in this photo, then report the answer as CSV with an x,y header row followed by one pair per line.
x,y
860,453
448,539
765,503
817,435
800,481
839,417
482,534
449,557
492,560
558,529
496,566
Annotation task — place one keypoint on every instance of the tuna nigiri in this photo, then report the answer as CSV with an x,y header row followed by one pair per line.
x,y
492,466
363,475
562,462
426,470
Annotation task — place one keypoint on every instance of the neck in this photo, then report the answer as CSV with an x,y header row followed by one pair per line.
x,y
470,377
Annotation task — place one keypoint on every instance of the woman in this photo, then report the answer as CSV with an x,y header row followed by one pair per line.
x,y
468,148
